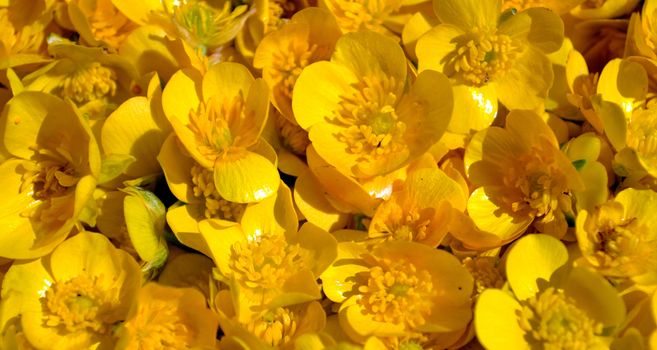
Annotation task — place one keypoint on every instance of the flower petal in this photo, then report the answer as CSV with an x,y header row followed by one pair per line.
x,y
249,177
496,315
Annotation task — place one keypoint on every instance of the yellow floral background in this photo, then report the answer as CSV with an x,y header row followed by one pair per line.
x,y
328,174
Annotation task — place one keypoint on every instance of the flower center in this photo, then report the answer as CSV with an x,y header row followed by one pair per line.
x,y
276,327
293,136
483,56
267,261
355,15
108,24
372,127
396,292
81,304
407,224
287,65
215,205
53,174
642,133
552,321
88,83
205,26
538,180
485,273
27,39
158,325
618,242
222,128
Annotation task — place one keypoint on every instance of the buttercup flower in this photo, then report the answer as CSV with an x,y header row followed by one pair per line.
x,y
477,45
552,307
218,119
361,115
49,176
74,297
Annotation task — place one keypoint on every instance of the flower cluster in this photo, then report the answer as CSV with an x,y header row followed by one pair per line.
x,y
336,174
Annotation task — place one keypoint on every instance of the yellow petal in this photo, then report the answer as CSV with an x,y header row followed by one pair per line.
x,y
139,12
249,177
493,219
495,315
145,219
177,169
594,295
467,14
337,280
226,80
526,84
321,243
623,82
640,204
541,27
318,92
184,220
531,262
435,47
312,203
182,95
418,25
428,187
368,54
476,108
220,236
274,214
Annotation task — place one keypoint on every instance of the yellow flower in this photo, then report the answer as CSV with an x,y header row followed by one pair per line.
x,y
362,115
265,260
602,9
98,22
418,211
168,317
618,238
84,75
478,46
278,327
50,176
308,37
642,32
218,118
188,270
23,38
73,298
551,307
522,178
400,288
383,16
205,25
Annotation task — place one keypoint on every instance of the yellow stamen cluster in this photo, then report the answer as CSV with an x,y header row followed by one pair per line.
x,y
220,126
538,180
266,261
278,10
52,175
642,132
275,327
108,24
157,325
88,83
373,128
408,224
397,292
482,56
355,15
27,39
293,136
552,321
485,273
81,304
617,241
287,66
206,27
215,205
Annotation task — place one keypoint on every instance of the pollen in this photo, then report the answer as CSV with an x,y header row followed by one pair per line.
x,y
397,292
157,325
485,273
355,15
215,205
372,127
276,327
287,64
221,126
407,224
108,24
642,133
88,83
53,173
81,304
553,321
264,262
292,135
27,39
482,56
